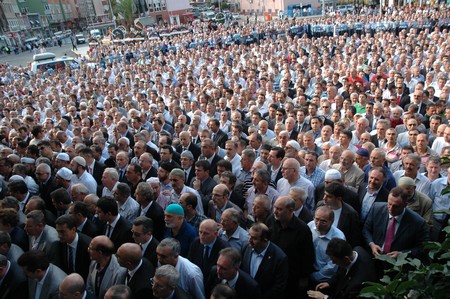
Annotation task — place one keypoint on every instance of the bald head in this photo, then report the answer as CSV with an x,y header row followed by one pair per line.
x,y
129,255
72,286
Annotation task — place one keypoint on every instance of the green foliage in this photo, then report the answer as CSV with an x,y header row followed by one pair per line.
x,y
410,278
124,9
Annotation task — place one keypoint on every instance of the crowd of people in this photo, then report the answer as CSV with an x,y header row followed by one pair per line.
x,y
273,168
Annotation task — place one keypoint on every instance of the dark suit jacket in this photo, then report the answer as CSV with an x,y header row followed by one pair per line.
x,y
205,192
374,139
410,235
191,175
296,241
90,229
150,252
130,137
180,294
196,255
19,237
212,209
153,172
351,197
349,224
348,285
237,199
382,196
293,135
305,215
220,138
306,127
272,273
121,233
213,169
193,148
140,282
156,213
45,190
58,256
97,172
246,287
14,283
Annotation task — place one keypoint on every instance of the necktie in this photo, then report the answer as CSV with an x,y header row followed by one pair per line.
x,y
213,136
389,236
128,278
109,231
70,259
90,169
205,257
121,175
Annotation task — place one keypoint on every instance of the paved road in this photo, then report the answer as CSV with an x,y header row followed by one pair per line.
x,y
26,57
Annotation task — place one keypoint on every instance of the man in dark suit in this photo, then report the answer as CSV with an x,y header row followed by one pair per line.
x,y
187,145
204,250
217,135
165,283
142,234
70,253
301,211
140,271
149,208
272,271
38,269
13,281
208,149
392,228
372,192
80,212
123,130
148,170
117,228
203,182
355,267
220,202
276,156
187,161
347,220
294,237
47,184
227,270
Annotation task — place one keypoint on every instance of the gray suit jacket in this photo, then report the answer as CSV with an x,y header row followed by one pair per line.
x,y
51,284
49,235
114,274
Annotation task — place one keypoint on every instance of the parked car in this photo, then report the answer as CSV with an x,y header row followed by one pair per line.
x,y
80,39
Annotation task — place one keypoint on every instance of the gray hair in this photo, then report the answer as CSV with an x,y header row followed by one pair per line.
x,y
171,243
112,173
301,193
80,189
178,173
170,272
234,214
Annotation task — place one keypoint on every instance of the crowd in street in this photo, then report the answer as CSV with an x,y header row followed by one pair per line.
x,y
266,160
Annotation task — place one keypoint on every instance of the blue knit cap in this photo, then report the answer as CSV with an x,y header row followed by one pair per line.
x,y
175,209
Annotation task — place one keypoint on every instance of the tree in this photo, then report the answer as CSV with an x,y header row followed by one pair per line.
x,y
123,11
410,278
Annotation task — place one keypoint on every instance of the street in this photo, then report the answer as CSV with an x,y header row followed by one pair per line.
x,y
25,58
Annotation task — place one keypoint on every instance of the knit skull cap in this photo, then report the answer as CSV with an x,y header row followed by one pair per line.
x,y
65,173
63,157
175,209
333,174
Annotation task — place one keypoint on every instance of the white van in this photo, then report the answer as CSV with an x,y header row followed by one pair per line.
x,y
45,61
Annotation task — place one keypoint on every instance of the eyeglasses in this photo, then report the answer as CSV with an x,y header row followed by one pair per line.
x,y
39,173
325,107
